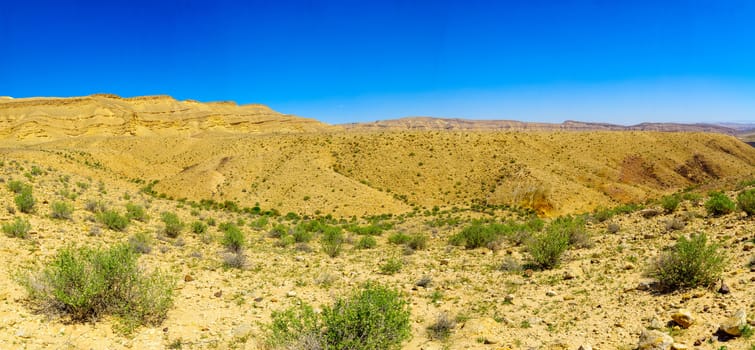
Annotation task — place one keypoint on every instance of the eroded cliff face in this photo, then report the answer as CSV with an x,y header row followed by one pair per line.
x,y
31,120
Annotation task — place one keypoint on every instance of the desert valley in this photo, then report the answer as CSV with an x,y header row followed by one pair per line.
x,y
250,229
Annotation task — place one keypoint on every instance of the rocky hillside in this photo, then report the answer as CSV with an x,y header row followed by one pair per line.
x,y
31,120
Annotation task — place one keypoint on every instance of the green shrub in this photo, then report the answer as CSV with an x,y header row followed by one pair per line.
x,y
574,228
301,235
692,262
417,242
198,227
25,201
61,210
547,247
277,231
372,318
113,220
85,284
399,238
18,228
17,186
746,201
375,317
475,236
719,204
297,327
391,266
173,224
332,241
366,242
141,242
670,203
135,212
233,238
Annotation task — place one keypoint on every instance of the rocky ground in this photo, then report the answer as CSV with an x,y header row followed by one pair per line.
x,y
596,298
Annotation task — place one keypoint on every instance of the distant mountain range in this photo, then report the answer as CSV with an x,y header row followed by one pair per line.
x,y
430,123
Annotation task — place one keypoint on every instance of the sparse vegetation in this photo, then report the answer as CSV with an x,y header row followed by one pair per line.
x,y
85,284
547,247
173,224
233,238
670,203
391,266
366,242
331,241
136,212
719,204
61,210
442,327
692,262
198,227
18,228
374,317
113,220
746,201
141,242
25,201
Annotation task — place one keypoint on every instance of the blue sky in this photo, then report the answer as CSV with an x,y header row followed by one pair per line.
x,y
341,61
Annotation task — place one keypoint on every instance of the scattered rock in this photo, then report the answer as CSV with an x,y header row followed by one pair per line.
x,y
445,261
628,266
551,293
257,299
291,294
242,331
569,275
509,298
683,318
585,347
655,340
679,346
649,213
22,333
724,288
644,286
482,328
188,278
655,323
218,294
733,325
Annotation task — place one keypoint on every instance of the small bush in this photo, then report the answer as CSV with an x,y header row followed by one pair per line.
x,y
546,248
719,204
399,238
332,241
746,201
95,206
25,201
277,231
86,283
475,236
417,242
670,203
574,228
442,327
18,228
113,220
173,224
233,238
17,186
141,243
366,242
372,318
135,212
61,210
235,260
375,317
391,266
198,227
301,235
692,262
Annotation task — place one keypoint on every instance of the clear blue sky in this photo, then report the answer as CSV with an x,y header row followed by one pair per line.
x,y
341,61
